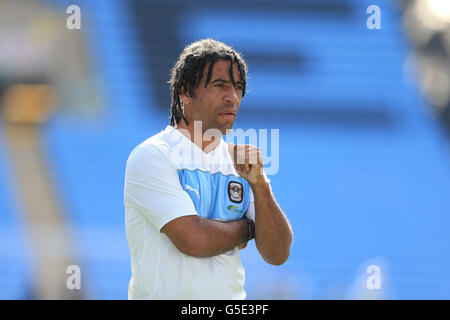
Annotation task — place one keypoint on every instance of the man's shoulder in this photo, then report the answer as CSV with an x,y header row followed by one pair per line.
x,y
154,146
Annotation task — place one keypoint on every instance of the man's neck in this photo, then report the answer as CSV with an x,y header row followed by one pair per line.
x,y
205,139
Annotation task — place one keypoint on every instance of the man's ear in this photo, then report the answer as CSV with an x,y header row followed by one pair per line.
x,y
185,97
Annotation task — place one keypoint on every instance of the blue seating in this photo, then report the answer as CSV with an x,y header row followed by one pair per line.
x,y
363,176
15,275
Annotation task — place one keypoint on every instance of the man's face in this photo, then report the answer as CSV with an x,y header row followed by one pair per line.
x,y
217,104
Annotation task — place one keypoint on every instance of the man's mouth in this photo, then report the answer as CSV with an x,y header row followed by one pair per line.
x,y
228,114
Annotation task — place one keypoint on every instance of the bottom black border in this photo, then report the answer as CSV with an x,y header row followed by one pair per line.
x,y
201,309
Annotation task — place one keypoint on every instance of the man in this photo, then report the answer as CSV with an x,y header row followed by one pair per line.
x,y
192,201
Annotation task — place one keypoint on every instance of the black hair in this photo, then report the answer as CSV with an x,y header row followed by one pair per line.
x,y
188,71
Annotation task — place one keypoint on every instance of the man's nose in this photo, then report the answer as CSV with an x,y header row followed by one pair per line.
x,y
232,96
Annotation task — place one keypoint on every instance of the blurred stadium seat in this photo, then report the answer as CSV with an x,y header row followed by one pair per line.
x,y
15,267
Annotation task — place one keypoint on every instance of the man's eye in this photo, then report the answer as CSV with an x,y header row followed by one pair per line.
x,y
219,85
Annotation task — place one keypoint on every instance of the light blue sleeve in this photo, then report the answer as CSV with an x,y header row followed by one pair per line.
x,y
250,213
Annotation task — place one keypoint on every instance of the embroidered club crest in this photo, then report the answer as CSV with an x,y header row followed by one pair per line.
x,y
235,191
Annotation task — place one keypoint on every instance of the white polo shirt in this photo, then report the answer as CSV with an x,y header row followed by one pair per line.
x,y
167,176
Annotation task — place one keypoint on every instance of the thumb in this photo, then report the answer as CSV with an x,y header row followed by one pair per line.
x,y
242,245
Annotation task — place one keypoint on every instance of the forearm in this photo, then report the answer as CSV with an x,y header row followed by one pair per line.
x,y
273,233
217,237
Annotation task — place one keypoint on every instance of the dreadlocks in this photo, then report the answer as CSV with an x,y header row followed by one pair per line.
x,y
188,71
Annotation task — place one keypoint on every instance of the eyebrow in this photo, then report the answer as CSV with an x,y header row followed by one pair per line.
x,y
226,81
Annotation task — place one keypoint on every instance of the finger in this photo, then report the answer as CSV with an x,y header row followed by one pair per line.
x,y
241,154
233,150
253,156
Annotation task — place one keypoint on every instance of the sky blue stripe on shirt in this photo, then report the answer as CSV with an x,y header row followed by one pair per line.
x,y
210,194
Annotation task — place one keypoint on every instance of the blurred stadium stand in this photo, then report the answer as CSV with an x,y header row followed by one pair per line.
x,y
15,267
364,166
428,28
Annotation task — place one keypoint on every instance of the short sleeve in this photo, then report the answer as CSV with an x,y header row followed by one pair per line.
x,y
250,213
152,187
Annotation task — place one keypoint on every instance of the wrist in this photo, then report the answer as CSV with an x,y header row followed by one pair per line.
x,y
261,186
